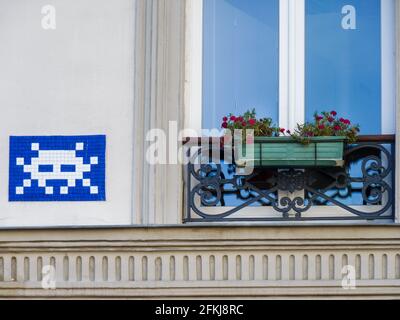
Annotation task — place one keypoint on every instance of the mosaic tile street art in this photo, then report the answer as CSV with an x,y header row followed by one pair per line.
x,y
57,168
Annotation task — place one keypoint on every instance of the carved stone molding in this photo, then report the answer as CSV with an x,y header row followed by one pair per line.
x,y
211,262
159,98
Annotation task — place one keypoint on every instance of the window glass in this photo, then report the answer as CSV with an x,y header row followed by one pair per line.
x,y
343,60
240,58
344,67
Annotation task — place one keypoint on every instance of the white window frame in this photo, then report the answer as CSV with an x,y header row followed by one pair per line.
x,y
291,64
291,75
388,34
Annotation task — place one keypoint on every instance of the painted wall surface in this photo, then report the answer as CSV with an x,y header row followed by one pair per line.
x,y
76,79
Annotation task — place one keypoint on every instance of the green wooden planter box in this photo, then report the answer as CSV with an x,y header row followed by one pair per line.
x,y
286,152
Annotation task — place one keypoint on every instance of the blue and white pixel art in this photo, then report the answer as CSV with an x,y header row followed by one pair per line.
x,y
57,168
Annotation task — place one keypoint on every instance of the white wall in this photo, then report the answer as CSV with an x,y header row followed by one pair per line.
x,y
77,79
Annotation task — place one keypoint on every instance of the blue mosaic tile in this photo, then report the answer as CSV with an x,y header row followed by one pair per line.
x,y
57,168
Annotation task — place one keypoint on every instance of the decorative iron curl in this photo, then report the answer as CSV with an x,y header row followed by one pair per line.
x,y
298,204
376,166
376,163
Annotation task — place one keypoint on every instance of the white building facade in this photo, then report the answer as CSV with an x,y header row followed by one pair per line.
x,y
91,78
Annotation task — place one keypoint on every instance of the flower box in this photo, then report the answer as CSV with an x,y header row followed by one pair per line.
x,y
286,152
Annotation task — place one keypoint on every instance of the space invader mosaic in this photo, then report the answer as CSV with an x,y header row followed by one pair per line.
x,y
57,168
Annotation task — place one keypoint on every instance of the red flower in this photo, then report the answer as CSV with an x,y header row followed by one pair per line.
x,y
225,119
342,120
282,130
224,125
244,123
252,122
334,113
240,119
233,118
330,119
319,118
337,128
347,122
321,127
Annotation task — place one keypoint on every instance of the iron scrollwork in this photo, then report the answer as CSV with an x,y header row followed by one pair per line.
x,y
292,192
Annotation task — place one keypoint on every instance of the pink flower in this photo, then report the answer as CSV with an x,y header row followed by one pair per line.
x,y
337,128
321,127
345,121
224,125
232,118
225,119
252,122
334,113
319,118
244,123
331,119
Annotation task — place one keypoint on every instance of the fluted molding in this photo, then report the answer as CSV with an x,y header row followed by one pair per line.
x,y
206,262
159,74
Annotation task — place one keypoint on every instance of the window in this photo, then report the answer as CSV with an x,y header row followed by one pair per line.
x,y
241,58
350,61
289,59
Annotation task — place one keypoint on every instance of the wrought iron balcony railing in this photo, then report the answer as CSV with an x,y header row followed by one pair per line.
x,y
361,189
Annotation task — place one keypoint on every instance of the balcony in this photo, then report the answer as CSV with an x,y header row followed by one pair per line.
x,y
361,188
